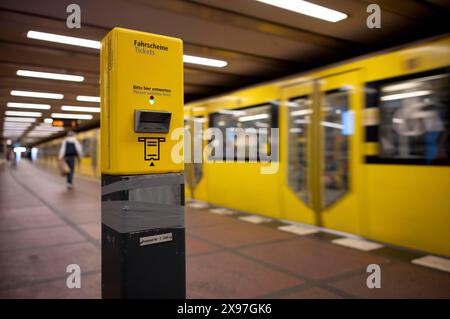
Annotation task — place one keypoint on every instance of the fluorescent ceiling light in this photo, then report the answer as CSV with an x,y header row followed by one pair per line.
x,y
298,103
42,132
232,112
204,61
332,125
18,130
16,124
86,98
43,95
20,119
51,76
48,121
80,108
308,8
29,105
401,86
301,112
48,128
12,134
295,130
27,114
38,134
63,39
253,117
261,124
20,149
72,116
405,95
302,121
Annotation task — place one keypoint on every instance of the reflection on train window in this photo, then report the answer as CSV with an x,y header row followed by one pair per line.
x,y
337,128
194,171
298,171
94,151
414,119
86,146
230,121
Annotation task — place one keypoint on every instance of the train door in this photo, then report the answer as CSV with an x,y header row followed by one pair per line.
x,y
296,148
322,151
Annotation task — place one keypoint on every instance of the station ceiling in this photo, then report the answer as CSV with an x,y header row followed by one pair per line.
x,y
258,41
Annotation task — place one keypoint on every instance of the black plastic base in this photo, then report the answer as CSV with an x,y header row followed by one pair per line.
x,y
151,271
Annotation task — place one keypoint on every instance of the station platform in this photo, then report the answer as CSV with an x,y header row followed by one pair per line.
x,y
44,228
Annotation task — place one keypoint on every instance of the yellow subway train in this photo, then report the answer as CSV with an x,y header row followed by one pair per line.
x,y
364,148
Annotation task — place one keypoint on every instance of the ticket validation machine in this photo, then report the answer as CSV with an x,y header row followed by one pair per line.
x,y
143,233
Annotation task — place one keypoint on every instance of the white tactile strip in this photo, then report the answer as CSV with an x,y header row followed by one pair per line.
x,y
298,229
197,205
221,211
433,262
254,219
357,243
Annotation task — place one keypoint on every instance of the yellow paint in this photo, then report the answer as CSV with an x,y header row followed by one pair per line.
x,y
409,206
159,73
371,148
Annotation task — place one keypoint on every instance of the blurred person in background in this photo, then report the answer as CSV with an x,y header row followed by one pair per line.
x,y
70,151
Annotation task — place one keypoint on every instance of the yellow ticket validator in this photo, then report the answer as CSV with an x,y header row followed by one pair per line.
x,y
141,102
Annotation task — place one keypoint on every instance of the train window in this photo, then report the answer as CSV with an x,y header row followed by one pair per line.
x,y
300,112
254,117
194,171
414,119
86,146
336,150
94,154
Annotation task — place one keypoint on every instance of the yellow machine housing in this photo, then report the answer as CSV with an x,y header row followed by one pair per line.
x,y
141,102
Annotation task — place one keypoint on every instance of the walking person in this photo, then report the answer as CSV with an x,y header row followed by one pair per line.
x,y
69,152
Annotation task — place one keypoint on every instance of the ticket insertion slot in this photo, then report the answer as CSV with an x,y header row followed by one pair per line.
x,y
151,121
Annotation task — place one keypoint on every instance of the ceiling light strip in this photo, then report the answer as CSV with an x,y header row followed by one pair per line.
x,y
72,116
50,76
80,108
29,106
308,8
43,95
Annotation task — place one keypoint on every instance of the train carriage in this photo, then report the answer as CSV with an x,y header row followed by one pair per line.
x,y
363,148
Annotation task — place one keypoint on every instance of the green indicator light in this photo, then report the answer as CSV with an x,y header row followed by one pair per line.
x,y
151,100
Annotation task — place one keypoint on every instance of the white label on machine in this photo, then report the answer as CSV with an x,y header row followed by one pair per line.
x,y
156,239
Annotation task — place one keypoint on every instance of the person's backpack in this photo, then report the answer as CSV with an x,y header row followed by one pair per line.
x,y
71,150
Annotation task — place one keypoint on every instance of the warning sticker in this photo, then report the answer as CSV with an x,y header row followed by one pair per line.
x,y
150,240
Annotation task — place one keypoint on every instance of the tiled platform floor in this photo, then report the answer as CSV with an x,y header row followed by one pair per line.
x,y
44,227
